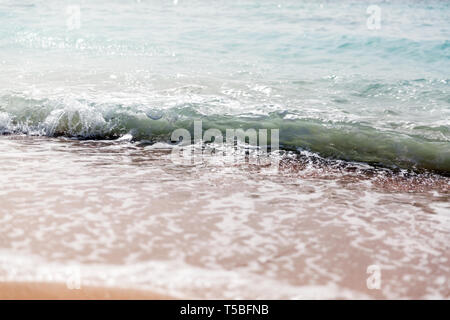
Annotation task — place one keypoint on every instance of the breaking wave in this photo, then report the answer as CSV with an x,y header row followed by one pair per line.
x,y
351,141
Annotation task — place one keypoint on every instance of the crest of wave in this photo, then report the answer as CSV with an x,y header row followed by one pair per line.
x,y
5,122
75,119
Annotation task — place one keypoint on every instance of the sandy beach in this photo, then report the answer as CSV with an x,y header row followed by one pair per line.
x,y
56,291
123,215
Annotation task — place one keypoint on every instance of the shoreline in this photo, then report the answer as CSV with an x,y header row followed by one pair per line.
x,y
59,291
297,158
120,212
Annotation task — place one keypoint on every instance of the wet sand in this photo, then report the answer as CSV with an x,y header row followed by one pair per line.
x,y
125,216
58,291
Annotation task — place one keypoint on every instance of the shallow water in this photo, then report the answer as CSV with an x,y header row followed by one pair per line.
x,y
312,69
87,110
125,215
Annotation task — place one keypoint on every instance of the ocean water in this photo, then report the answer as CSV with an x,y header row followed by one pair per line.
x,y
313,69
91,91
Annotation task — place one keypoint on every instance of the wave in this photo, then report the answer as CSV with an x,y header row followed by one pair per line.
x,y
350,141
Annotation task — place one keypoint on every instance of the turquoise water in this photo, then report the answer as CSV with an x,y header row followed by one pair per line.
x,y
312,69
